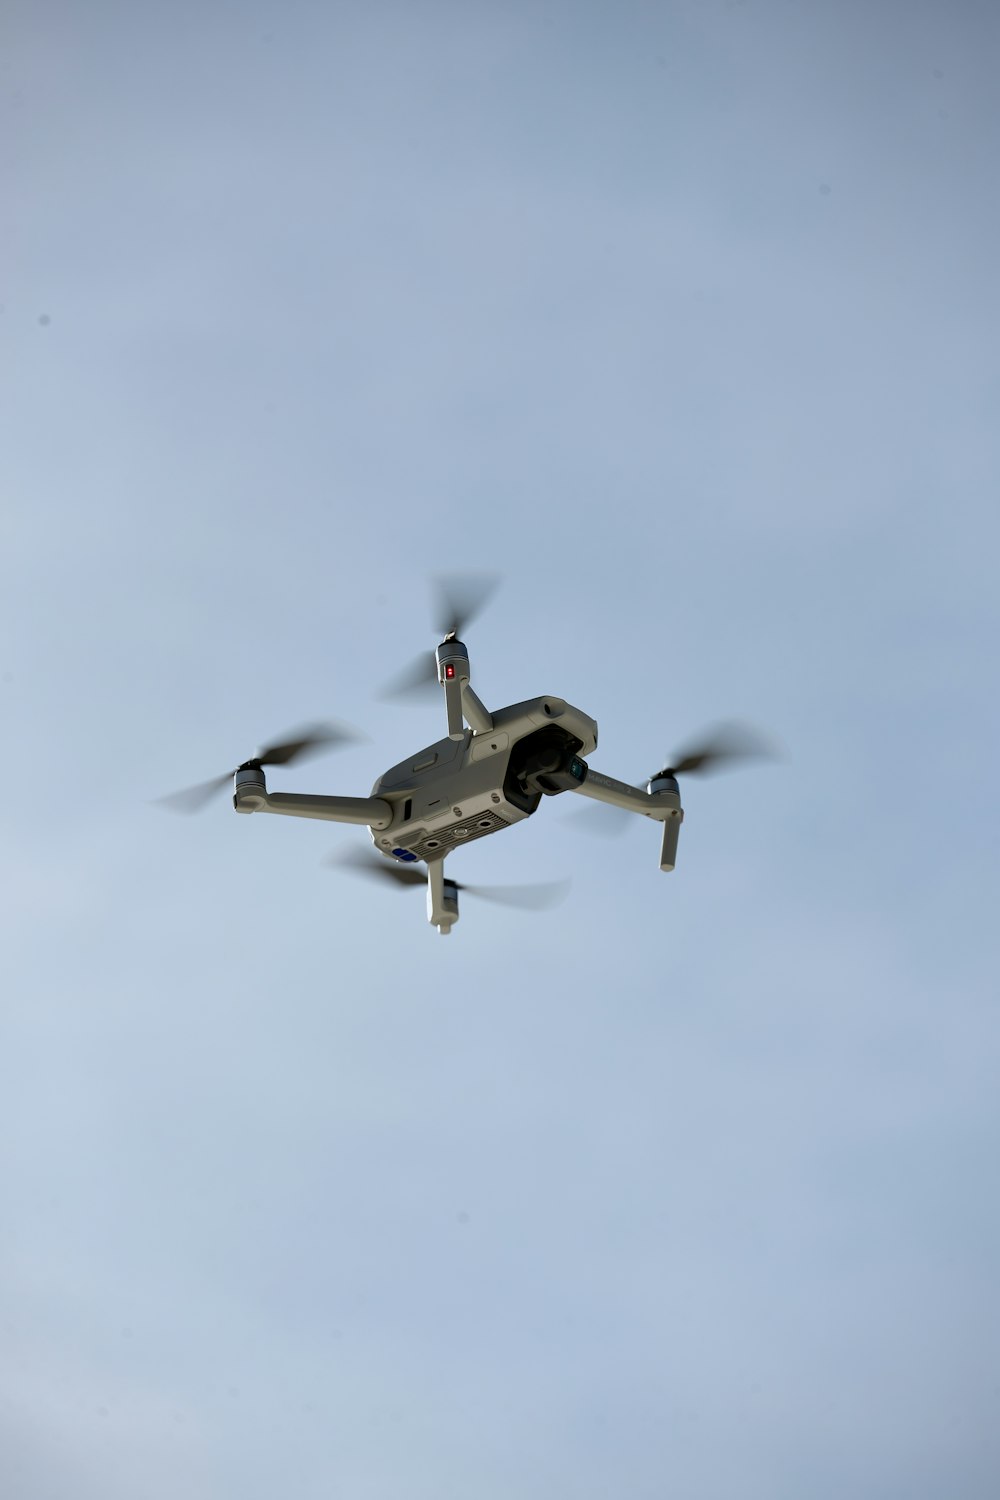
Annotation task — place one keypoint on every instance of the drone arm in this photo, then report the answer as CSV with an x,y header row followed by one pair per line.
x,y
619,794
477,715
370,811
664,806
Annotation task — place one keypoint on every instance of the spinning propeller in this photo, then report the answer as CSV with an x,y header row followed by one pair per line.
x,y
728,744
459,599
307,741
527,897
721,749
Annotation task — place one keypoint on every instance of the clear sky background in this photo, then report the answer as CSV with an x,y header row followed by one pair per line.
x,y
682,317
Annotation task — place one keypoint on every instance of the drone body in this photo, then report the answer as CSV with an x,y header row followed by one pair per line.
x,y
458,790
490,771
462,789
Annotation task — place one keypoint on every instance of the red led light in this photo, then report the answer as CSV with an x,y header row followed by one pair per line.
x,y
449,671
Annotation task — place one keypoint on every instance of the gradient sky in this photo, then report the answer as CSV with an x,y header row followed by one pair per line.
x,y
683,318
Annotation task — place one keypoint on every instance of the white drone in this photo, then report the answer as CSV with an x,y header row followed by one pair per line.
x,y
490,772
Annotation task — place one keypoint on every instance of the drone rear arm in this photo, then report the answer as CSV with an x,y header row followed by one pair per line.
x,y
371,811
442,898
477,715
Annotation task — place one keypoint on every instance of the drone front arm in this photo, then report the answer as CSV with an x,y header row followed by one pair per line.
x,y
251,795
619,794
664,807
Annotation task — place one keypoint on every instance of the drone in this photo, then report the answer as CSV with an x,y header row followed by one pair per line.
x,y
489,772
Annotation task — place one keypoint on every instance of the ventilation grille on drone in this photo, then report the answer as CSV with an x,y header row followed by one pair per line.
x,y
463,831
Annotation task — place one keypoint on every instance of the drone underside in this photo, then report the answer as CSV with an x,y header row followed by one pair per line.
x,y
456,791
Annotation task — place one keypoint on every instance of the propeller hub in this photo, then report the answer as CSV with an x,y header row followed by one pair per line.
x,y
310,738
250,788
452,661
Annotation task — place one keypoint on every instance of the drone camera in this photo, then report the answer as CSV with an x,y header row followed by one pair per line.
x,y
547,762
564,778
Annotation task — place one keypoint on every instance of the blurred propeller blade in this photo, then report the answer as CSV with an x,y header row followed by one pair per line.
x,y
194,798
524,897
419,678
305,742
366,862
721,748
727,744
460,597
601,819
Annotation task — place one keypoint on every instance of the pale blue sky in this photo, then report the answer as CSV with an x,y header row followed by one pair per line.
x,y
683,318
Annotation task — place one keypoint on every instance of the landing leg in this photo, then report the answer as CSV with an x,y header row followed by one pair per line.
x,y
442,898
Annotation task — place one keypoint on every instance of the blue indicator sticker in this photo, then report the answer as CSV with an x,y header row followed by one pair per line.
x,y
405,854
